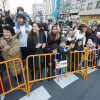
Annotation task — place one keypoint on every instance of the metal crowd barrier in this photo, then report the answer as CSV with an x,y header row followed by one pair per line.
x,y
93,59
43,66
21,86
53,71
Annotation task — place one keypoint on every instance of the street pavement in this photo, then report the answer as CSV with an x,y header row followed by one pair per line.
x,y
72,87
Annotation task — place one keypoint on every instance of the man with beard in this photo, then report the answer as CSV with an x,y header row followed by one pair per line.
x,y
23,37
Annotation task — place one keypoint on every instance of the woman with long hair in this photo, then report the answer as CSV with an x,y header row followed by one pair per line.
x,y
54,37
36,44
81,33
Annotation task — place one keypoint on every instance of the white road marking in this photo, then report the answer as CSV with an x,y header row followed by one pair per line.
x,y
38,94
91,70
66,80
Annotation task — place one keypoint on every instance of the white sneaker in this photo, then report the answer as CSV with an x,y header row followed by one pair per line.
x,y
3,97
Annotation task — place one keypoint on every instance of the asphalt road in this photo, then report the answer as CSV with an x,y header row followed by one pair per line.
x,y
72,87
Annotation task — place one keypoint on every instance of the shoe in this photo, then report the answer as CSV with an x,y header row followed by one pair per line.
x,y
3,97
50,79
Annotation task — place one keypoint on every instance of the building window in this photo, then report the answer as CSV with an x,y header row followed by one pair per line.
x,y
83,0
73,6
82,7
68,10
77,5
90,5
98,4
78,0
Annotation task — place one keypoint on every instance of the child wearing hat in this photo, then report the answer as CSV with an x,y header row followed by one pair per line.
x,y
78,47
92,53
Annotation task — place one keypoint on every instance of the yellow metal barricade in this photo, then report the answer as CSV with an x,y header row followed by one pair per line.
x,y
21,86
48,57
78,63
92,59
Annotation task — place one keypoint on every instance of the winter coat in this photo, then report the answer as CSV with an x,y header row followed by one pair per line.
x,y
52,42
78,55
38,18
11,51
10,21
33,50
98,41
61,51
58,57
31,46
1,22
94,37
79,35
2,66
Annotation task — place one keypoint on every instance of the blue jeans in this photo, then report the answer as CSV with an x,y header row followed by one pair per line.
x,y
63,71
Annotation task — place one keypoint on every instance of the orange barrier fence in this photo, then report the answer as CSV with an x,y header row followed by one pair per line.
x,y
13,71
93,59
48,66
52,67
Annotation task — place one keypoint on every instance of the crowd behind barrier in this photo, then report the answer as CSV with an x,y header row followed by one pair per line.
x,y
46,50
80,62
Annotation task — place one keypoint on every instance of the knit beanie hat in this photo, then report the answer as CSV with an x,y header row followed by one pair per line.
x,y
89,43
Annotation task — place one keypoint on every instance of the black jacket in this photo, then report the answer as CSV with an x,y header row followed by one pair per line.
x,y
2,66
1,22
31,46
10,21
51,42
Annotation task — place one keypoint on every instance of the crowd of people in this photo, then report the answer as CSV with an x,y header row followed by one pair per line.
x,y
20,37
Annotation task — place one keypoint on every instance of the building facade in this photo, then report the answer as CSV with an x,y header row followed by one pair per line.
x,y
64,9
74,8
47,8
6,5
89,10
37,7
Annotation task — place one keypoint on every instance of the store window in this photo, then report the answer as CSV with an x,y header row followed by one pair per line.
x,y
73,6
98,4
90,5
77,5
82,7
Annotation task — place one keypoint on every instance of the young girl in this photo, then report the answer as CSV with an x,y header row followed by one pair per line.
x,y
78,47
69,36
92,53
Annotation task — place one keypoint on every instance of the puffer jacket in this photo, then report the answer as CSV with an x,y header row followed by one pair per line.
x,y
11,51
